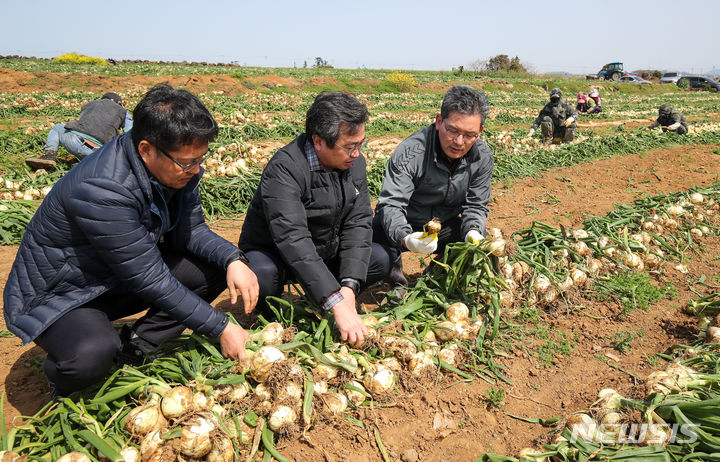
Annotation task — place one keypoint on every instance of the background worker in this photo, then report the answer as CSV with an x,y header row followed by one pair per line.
x,y
100,120
310,218
557,120
670,119
441,171
120,233
594,102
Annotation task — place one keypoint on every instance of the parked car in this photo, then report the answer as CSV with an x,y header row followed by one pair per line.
x,y
699,82
671,77
634,79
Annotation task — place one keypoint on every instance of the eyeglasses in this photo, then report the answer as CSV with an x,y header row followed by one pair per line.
x,y
453,133
357,147
186,167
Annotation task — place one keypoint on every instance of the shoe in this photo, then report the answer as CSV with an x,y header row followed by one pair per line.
x,y
47,161
52,388
132,351
397,276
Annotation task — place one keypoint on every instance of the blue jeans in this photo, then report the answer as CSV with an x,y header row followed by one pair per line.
x,y
59,136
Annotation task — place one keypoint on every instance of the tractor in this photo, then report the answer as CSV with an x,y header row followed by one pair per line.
x,y
611,71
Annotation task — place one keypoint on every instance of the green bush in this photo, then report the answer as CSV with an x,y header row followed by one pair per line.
x,y
684,84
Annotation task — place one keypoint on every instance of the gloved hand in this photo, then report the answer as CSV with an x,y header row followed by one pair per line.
x,y
415,242
569,121
530,133
473,236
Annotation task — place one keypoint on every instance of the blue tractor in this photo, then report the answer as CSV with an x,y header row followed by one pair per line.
x,y
611,71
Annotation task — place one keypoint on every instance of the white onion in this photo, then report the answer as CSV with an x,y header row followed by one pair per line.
x,y
291,392
282,419
697,198
263,360
541,283
74,456
354,396
272,334
520,270
580,234
580,248
444,330
529,453
421,364
335,402
392,363
676,210
456,312
696,233
176,402
327,372
583,426
579,277
151,443
263,392
144,419
222,451
129,454
380,381
195,437
320,387
201,401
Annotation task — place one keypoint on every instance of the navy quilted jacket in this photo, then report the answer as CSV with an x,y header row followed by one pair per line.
x,y
98,230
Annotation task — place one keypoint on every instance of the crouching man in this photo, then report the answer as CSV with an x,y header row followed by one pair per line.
x,y
310,218
121,232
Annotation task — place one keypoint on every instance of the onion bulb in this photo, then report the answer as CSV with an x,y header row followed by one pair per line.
x,y
291,392
530,453
201,401
520,271
282,419
263,392
444,330
272,334
195,439
320,387
421,364
541,284
392,363
263,360
433,226
74,456
456,312
327,372
151,443
176,402
129,454
355,397
583,426
697,198
580,248
654,434
579,277
496,246
335,402
380,381
222,451
144,419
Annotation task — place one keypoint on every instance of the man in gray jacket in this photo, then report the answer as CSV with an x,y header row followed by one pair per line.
x,y
100,120
442,171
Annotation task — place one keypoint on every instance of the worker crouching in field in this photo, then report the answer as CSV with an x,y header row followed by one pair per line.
x,y
557,120
670,119
310,218
121,232
100,120
442,171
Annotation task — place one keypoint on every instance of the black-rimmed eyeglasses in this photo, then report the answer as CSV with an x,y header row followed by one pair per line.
x,y
186,167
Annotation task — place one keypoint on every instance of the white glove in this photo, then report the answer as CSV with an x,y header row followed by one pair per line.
x,y
530,133
569,121
473,236
424,245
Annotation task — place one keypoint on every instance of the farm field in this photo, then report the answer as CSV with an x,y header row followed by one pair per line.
x,y
536,360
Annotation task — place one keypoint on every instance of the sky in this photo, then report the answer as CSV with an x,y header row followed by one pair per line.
x,y
577,36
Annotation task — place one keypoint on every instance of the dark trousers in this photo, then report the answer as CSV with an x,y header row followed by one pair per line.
x,y
82,345
450,232
272,273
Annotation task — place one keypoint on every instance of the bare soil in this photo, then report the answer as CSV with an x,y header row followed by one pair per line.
x,y
447,419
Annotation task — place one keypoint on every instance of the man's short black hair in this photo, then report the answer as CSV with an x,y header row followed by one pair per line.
x,y
169,118
332,112
465,100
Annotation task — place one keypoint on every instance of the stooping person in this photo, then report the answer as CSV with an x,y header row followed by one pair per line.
x,y
100,120
310,218
594,102
557,120
670,119
121,232
442,171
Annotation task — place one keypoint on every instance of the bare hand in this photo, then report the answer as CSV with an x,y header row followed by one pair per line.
x,y
351,326
233,340
242,281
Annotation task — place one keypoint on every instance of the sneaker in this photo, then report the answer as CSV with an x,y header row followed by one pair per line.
x,y
46,162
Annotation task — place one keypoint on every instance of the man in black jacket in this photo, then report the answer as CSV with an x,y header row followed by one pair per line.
x,y
121,232
310,218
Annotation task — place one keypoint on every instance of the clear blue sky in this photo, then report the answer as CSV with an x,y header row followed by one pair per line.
x,y
572,36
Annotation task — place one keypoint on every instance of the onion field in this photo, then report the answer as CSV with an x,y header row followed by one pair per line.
x,y
586,326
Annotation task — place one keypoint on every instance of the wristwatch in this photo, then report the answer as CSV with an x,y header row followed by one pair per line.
x,y
352,284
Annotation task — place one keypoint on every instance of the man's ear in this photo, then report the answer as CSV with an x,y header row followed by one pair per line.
x,y
146,149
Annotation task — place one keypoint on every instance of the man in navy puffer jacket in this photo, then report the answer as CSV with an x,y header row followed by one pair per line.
x,y
121,232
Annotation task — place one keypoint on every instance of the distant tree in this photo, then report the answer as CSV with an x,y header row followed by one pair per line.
x,y
478,65
504,63
319,63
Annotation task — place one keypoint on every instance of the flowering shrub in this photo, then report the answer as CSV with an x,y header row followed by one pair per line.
x,y
74,58
402,81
